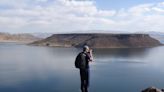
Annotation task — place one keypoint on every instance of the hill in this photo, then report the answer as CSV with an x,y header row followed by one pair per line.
x,y
24,37
96,40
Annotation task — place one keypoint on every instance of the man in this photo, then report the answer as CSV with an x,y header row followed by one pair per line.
x,y
86,57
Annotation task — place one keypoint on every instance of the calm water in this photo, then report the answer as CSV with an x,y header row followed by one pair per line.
x,y
44,69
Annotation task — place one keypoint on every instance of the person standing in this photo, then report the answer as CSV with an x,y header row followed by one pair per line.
x,y
82,62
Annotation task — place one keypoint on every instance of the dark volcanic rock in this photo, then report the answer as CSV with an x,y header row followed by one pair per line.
x,y
152,89
99,40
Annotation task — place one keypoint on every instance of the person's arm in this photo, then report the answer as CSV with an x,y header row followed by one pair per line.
x,y
90,55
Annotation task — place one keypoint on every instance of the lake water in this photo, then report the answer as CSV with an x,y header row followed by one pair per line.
x,y
26,68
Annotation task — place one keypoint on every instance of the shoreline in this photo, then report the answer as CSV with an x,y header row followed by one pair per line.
x,y
98,48
11,41
29,43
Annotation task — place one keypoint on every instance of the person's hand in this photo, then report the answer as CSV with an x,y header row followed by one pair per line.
x,y
90,51
91,56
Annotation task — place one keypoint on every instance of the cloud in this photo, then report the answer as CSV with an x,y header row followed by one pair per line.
x,y
71,16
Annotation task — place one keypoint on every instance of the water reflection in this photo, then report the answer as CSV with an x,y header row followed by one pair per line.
x,y
125,52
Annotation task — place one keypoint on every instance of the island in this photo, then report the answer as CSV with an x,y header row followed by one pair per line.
x,y
97,40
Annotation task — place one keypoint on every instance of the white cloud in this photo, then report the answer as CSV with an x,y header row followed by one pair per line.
x,y
140,9
71,15
158,10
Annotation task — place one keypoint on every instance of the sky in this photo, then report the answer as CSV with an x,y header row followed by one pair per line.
x,y
73,16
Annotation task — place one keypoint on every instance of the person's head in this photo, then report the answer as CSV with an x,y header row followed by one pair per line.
x,y
86,48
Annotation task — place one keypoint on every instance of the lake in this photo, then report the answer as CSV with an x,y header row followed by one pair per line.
x,y
25,68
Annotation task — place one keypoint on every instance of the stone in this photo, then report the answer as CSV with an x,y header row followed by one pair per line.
x,y
152,89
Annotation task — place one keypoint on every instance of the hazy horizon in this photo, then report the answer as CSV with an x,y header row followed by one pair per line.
x,y
83,32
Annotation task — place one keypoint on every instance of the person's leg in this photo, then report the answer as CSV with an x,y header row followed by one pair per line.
x,y
86,80
82,85
82,76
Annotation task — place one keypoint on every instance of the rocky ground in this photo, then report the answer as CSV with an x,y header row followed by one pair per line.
x,y
152,89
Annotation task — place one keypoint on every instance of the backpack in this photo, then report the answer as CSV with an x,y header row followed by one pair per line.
x,y
79,60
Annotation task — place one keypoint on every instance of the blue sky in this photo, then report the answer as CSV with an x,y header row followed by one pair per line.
x,y
118,4
66,16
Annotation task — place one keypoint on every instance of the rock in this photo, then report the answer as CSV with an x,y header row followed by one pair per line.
x,y
152,89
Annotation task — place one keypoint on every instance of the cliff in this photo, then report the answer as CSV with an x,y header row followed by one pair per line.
x,y
158,35
99,40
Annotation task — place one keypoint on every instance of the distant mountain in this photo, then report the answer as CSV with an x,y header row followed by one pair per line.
x,y
42,35
157,35
24,37
96,40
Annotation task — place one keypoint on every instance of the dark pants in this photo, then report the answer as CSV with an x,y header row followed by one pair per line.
x,y
84,75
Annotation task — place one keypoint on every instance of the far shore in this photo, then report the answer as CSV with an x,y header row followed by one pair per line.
x,y
28,43
96,48
11,41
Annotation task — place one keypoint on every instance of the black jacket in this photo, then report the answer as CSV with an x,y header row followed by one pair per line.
x,y
85,59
